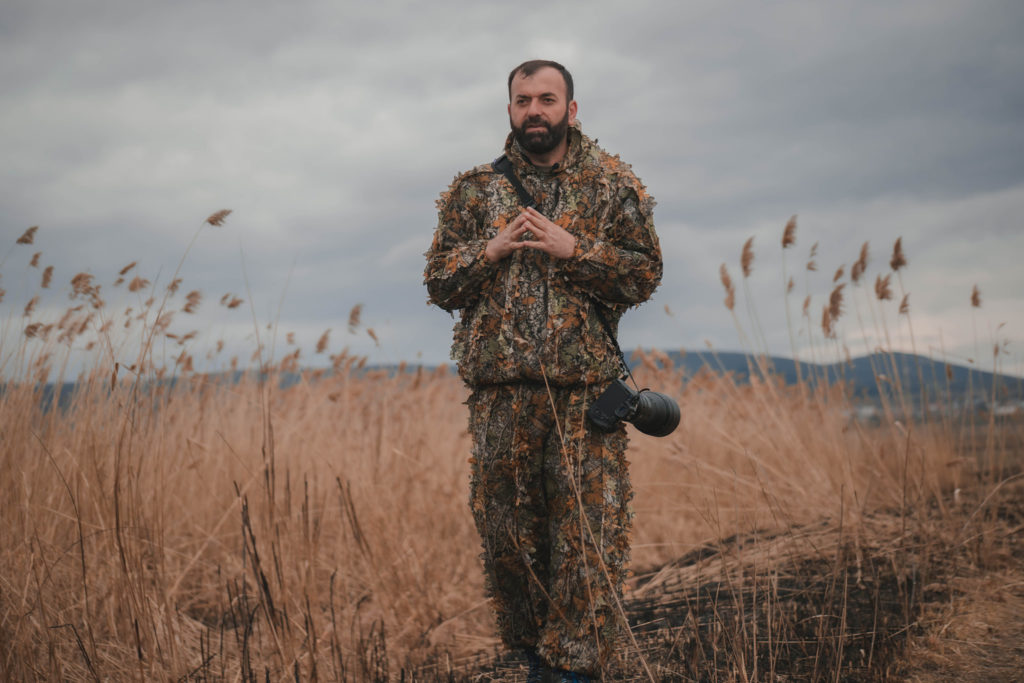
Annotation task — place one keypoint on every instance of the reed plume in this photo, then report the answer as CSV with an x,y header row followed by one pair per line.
x,y
192,300
730,290
137,283
747,258
975,297
47,277
835,302
29,236
321,344
35,259
353,318
882,289
861,264
216,219
898,260
789,233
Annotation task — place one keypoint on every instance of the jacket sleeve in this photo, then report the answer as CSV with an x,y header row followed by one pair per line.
x,y
625,266
457,270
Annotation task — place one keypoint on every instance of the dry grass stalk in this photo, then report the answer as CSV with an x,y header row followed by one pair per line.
x,y
34,263
321,344
124,271
839,274
210,538
905,305
975,297
47,277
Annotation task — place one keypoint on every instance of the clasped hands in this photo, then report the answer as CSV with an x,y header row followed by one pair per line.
x,y
547,237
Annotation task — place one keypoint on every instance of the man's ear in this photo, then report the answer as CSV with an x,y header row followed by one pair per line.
x,y
572,112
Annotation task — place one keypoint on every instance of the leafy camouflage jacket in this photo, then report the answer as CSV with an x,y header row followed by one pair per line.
x,y
531,315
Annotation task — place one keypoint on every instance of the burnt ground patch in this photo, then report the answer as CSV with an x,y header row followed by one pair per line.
x,y
805,604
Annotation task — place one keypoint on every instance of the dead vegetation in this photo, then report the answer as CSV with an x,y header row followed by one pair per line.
x,y
268,522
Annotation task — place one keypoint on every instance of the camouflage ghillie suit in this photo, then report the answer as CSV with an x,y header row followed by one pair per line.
x,y
549,493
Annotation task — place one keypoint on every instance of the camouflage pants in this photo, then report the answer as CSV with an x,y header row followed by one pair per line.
x,y
553,574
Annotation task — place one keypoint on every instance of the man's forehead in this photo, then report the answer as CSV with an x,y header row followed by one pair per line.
x,y
541,82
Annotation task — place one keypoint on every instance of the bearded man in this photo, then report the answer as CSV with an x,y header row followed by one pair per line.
x,y
540,290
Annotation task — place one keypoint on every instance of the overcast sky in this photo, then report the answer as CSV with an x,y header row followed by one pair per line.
x,y
330,128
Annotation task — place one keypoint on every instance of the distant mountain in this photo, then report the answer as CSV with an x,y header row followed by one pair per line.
x,y
868,376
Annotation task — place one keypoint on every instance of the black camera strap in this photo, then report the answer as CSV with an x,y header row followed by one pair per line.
x,y
503,166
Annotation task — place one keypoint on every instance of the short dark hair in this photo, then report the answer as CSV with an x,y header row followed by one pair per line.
x,y
531,67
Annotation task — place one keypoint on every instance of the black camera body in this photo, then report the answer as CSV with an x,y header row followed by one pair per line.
x,y
649,411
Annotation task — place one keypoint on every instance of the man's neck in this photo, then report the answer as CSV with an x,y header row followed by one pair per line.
x,y
548,159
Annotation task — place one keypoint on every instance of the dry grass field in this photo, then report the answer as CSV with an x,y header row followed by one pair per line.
x,y
165,524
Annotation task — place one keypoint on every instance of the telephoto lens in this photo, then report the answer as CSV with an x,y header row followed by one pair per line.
x,y
655,414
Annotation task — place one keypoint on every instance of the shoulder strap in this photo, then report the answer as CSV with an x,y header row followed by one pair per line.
x,y
503,166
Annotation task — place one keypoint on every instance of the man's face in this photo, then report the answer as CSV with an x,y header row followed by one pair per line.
x,y
538,111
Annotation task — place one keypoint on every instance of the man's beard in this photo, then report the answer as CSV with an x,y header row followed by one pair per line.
x,y
536,142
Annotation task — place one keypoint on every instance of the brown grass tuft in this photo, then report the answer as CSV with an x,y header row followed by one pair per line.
x,y
138,283
730,290
192,301
124,271
321,344
905,305
827,323
882,288
747,258
31,305
861,265
29,236
898,260
839,274
34,263
353,318
789,233
217,219
47,277
835,302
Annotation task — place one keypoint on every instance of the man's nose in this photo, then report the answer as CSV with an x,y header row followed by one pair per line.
x,y
534,109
